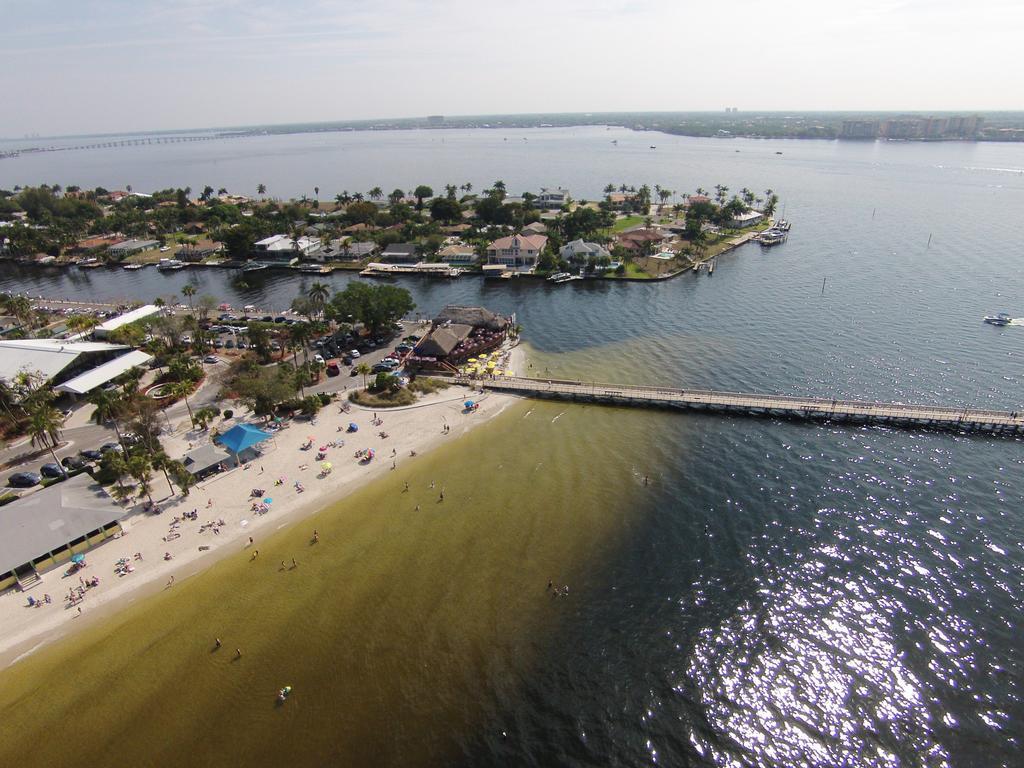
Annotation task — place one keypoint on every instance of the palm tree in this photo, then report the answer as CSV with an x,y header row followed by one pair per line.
x,y
140,466
183,389
363,370
467,187
188,292
608,190
44,423
261,189
319,293
108,407
376,193
316,192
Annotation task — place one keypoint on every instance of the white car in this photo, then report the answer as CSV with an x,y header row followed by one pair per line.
x,y
354,354
164,248
319,359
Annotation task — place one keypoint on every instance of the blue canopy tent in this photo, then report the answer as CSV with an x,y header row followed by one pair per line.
x,y
241,437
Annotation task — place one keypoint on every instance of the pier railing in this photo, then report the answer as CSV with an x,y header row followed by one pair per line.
x,y
817,408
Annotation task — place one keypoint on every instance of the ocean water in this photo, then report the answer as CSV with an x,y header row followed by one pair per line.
x,y
776,594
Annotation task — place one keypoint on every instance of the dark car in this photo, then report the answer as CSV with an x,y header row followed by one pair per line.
x,y
347,360
23,480
107,447
91,454
73,462
52,470
280,319
266,319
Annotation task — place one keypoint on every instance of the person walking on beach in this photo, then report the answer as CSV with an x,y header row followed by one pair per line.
x,y
406,489
238,653
250,541
170,582
255,554
441,498
316,536
216,642
294,564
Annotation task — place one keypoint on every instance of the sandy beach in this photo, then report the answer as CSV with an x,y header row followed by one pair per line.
x,y
225,515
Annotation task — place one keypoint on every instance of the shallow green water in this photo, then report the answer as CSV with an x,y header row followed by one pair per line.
x,y
397,630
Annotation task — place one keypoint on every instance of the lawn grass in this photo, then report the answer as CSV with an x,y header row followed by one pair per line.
x,y
626,222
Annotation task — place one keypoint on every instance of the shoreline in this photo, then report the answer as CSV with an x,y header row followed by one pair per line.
x,y
416,428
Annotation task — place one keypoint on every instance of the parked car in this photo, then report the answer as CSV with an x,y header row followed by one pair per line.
x,y
52,470
23,480
347,360
107,447
211,359
218,344
91,454
354,354
319,359
280,319
230,344
73,462
266,319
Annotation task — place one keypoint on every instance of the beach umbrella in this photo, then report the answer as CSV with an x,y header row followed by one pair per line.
x,y
268,500
472,359
78,558
326,465
510,373
353,427
469,403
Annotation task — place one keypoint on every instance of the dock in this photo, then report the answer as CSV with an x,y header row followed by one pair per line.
x,y
761,405
440,269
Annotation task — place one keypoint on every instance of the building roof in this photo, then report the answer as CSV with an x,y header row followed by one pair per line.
x,y
51,518
456,250
48,356
536,228
441,341
580,246
400,249
204,457
134,245
126,319
101,374
242,436
522,242
475,317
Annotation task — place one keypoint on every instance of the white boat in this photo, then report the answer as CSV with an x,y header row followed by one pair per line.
x,y
315,269
254,267
772,237
558,277
90,263
132,266
1001,319
170,265
783,225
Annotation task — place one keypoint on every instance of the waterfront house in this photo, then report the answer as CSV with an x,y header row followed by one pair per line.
x,y
97,243
551,198
281,248
199,250
517,253
642,240
400,253
748,219
345,250
131,247
535,228
458,253
580,252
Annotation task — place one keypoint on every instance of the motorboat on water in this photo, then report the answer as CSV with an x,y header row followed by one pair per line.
x,y
90,263
1001,319
254,267
132,266
783,225
772,237
558,277
170,265
283,694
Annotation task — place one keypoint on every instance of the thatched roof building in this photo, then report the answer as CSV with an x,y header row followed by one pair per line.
x,y
476,317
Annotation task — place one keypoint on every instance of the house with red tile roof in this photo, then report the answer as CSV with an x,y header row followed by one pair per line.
x,y
517,253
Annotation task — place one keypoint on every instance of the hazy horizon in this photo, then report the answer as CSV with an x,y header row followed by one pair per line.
x,y
119,66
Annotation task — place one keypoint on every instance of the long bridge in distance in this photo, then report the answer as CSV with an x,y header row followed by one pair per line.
x,y
775,406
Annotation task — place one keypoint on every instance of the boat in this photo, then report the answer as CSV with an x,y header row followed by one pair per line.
x,y
783,225
132,266
1001,319
90,263
170,265
283,694
254,267
772,237
558,277
315,269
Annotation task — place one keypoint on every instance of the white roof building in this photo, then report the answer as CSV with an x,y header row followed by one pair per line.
x,y
103,330
70,366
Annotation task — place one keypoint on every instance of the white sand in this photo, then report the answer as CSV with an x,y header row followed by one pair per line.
x,y
415,428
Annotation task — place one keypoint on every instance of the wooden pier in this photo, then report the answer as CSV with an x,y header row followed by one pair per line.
x,y
775,406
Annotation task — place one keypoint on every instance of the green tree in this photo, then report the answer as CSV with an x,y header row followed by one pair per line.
x,y
183,389
363,370
319,293
261,189
109,407
421,192
445,209
44,424
376,193
140,467
375,306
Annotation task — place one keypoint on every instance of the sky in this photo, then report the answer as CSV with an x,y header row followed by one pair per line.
x,y
96,66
